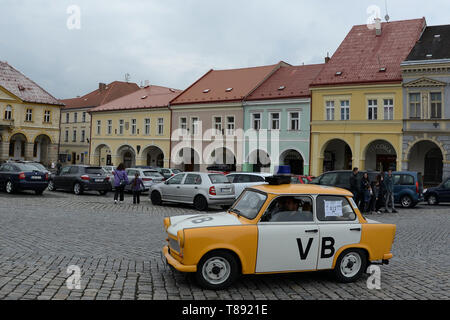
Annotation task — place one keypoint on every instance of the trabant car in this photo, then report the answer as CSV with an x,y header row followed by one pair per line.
x,y
278,228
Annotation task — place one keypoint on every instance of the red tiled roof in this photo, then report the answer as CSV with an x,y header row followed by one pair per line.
x,y
219,82
148,97
112,91
23,87
361,55
294,80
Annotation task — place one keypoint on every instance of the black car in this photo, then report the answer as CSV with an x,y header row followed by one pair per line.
x,y
341,178
80,178
21,176
438,194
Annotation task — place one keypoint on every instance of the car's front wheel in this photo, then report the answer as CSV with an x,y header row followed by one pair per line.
x,y
77,189
200,203
9,187
217,270
432,200
350,265
155,197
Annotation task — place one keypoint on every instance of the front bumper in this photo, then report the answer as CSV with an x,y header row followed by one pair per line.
x,y
175,263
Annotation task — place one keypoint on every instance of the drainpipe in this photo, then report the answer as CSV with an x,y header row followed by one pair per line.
x,y
170,136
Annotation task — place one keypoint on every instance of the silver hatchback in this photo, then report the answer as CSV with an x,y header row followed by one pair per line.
x,y
198,188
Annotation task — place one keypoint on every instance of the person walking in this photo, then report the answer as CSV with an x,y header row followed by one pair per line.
x,y
120,181
389,189
136,186
366,192
354,188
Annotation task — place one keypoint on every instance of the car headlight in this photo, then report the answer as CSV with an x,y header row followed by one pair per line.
x,y
425,190
180,237
166,223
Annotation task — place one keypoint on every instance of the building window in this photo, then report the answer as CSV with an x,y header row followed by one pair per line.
x,y
133,126
75,117
345,110
160,126
8,112
230,125
99,127
67,117
147,126
436,105
388,109
121,126
47,116
74,137
329,110
183,124
83,135
414,106
66,136
294,121
372,108
218,125
274,121
256,121
109,127
29,115
194,125
83,117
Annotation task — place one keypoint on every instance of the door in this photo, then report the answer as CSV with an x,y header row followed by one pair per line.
x,y
190,187
288,236
445,192
171,188
338,227
5,170
60,179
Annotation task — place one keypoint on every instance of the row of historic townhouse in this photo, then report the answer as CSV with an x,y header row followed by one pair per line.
x,y
381,101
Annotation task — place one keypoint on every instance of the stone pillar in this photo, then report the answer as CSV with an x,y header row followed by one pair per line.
x,y
4,151
29,147
52,155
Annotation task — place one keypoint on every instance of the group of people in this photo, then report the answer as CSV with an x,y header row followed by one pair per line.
x,y
371,196
121,180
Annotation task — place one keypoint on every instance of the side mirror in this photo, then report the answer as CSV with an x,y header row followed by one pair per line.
x,y
166,182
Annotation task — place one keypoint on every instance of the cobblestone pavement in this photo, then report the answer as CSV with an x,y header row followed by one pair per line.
x,y
118,248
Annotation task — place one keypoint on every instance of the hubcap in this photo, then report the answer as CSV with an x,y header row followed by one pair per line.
x,y
216,270
77,189
406,202
8,187
432,200
350,264
50,185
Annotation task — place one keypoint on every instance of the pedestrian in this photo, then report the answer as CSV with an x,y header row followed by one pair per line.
x,y
381,192
354,187
136,186
120,181
389,189
366,192
58,167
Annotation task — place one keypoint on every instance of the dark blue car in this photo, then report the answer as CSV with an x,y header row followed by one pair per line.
x,y
438,194
20,176
408,188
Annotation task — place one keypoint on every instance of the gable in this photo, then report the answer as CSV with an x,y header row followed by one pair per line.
x,y
424,82
6,95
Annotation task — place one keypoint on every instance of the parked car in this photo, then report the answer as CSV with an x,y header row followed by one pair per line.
x,y
81,178
242,180
220,168
168,172
408,187
109,173
21,176
276,229
301,179
148,176
438,194
198,188
35,164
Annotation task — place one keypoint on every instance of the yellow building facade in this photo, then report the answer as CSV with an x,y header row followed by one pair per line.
x,y
365,140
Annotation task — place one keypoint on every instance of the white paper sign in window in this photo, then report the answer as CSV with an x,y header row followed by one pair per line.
x,y
333,208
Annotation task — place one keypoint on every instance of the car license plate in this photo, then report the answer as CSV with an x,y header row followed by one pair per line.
x,y
36,177
98,180
226,190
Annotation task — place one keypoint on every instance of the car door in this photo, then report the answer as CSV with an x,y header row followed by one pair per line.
x,y
190,187
445,192
4,171
338,226
171,188
60,180
288,245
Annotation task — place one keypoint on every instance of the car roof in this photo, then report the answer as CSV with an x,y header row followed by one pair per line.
x,y
302,189
262,174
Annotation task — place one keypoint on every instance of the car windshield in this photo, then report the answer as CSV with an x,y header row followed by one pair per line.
x,y
218,178
25,167
175,171
38,166
152,174
249,204
95,170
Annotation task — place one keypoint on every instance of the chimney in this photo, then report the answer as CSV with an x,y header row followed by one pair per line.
x,y
327,58
378,27
101,86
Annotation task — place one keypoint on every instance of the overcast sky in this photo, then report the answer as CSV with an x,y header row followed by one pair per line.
x,y
174,42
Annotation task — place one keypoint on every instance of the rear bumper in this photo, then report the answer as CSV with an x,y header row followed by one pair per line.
x,y
228,200
32,185
96,186
175,263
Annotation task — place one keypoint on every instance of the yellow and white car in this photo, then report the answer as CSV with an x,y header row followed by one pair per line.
x,y
277,228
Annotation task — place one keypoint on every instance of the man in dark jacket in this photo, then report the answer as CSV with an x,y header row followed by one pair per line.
x,y
389,189
354,186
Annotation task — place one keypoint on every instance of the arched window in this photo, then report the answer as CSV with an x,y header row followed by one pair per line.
x,y
8,112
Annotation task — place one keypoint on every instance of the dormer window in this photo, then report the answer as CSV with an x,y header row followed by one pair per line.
x,y
206,90
281,88
429,55
229,89
143,97
383,69
339,73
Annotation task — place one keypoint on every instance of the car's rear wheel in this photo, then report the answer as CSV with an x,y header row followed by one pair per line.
x,y
217,270
77,189
155,197
406,201
200,203
51,186
350,265
432,200
9,187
